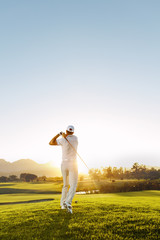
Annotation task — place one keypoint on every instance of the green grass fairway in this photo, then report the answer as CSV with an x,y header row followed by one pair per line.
x,y
134,215
27,188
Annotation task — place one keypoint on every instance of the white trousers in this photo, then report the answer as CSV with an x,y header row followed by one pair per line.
x,y
70,177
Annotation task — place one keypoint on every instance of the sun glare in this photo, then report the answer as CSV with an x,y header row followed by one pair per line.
x,y
82,168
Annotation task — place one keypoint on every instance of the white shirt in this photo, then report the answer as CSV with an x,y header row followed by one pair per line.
x,y
68,153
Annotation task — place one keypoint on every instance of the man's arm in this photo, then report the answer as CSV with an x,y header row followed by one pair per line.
x,y
53,141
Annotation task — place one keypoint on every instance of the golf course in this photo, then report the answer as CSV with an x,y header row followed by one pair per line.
x,y
132,215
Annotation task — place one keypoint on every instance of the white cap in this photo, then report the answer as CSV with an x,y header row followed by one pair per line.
x,y
70,128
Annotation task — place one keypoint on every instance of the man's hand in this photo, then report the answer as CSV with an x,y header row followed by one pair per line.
x,y
64,135
53,141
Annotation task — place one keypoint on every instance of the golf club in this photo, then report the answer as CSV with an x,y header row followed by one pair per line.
x,y
77,153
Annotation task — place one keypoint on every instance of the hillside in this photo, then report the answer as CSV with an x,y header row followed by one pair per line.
x,y
27,166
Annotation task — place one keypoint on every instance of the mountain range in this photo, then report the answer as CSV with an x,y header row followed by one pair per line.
x,y
28,166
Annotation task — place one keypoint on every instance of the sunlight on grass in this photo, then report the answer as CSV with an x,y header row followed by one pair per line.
x,y
118,216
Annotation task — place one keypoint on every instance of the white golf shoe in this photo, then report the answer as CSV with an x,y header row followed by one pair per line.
x,y
68,207
64,206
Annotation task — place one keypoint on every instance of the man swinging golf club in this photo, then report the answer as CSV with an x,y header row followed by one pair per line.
x,y
69,167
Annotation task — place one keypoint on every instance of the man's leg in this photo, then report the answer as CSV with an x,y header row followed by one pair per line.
x,y
73,179
65,174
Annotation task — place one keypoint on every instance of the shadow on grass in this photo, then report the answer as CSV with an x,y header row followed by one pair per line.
x,y
18,190
61,226
30,201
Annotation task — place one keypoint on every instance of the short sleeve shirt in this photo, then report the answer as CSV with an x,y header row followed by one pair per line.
x,y
68,153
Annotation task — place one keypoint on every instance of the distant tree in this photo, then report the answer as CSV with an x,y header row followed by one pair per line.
x,y
95,174
153,174
127,174
142,172
135,170
115,173
104,172
23,177
121,173
13,178
28,177
43,178
107,172
3,179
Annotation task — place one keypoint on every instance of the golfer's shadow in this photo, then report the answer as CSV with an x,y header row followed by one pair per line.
x,y
62,224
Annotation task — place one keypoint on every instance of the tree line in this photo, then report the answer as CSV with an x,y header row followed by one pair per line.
x,y
24,177
28,177
136,172
112,173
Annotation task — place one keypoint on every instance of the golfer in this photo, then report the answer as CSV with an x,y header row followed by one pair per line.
x,y
69,167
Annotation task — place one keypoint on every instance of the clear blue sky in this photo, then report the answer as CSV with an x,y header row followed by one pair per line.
x,y
93,64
